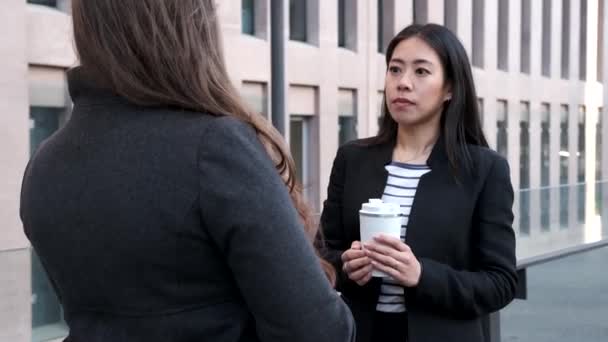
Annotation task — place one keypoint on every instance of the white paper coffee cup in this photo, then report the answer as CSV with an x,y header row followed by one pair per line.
x,y
379,218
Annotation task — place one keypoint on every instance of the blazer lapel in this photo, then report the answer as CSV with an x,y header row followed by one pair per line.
x,y
429,188
376,170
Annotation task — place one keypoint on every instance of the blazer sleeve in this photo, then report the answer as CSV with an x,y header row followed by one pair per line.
x,y
492,285
335,242
248,213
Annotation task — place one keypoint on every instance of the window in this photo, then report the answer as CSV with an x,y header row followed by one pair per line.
x,y
526,9
582,113
600,41
386,14
502,122
565,39
545,141
599,145
503,35
347,116
421,12
300,138
248,17
564,151
347,24
582,72
598,164
50,3
478,33
304,137
341,23
380,28
546,51
546,199
298,20
524,168
564,163
256,95
47,314
450,15
254,18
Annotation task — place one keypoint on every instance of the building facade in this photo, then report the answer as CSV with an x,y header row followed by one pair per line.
x,y
539,68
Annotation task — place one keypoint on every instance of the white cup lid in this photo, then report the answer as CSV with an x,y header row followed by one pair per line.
x,y
375,206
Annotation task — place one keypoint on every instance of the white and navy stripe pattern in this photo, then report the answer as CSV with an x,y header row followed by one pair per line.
x,y
400,188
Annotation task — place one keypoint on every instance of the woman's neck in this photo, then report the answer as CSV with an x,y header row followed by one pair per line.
x,y
414,144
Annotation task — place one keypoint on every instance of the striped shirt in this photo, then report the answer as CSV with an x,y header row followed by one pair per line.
x,y
400,188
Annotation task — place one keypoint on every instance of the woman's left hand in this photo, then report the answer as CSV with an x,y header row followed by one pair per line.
x,y
393,257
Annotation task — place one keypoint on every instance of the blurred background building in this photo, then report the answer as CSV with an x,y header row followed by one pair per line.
x,y
539,68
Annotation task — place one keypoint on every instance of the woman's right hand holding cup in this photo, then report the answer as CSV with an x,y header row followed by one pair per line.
x,y
356,265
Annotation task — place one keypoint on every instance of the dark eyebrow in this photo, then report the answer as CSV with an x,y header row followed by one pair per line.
x,y
416,61
398,61
422,61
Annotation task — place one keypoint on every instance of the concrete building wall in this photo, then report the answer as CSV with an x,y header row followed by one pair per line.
x,y
14,256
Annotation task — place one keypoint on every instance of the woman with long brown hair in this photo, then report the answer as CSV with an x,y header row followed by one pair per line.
x,y
165,210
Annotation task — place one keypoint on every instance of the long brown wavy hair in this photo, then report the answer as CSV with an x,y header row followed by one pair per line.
x,y
169,52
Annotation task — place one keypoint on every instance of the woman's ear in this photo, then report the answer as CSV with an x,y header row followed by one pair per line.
x,y
448,93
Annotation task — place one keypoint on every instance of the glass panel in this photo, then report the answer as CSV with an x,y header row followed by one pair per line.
x,y
599,145
50,3
581,162
546,47
256,96
598,163
44,121
503,35
450,15
502,123
524,168
545,166
341,24
298,20
478,33
524,145
296,137
47,314
347,129
248,16
581,144
565,39
583,42
526,27
380,28
545,207
420,12
564,162
545,144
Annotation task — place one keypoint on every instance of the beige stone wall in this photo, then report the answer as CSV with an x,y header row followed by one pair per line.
x,y
14,148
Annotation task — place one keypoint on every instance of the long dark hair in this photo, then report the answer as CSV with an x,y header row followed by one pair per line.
x,y
168,52
460,121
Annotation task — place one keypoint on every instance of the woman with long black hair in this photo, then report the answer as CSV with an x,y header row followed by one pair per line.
x,y
455,261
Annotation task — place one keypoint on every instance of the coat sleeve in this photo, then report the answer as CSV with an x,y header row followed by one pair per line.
x,y
248,213
492,285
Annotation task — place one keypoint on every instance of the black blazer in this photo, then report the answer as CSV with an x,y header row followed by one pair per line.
x,y
160,224
460,231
